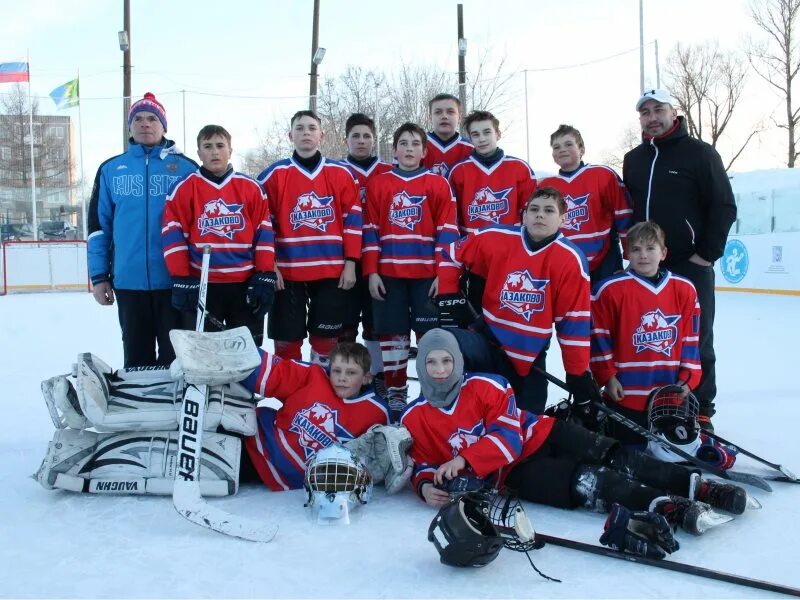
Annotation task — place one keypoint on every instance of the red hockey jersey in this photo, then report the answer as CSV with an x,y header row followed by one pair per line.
x,y
410,215
232,217
483,425
441,155
312,417
646,334
365,175
493,195
526,293
596,200
316,217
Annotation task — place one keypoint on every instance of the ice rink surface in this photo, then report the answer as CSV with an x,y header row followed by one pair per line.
x,y
67,545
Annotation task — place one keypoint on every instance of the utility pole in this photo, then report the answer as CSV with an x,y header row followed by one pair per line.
x,y
125,46
315,59
658,69
462,53
641,47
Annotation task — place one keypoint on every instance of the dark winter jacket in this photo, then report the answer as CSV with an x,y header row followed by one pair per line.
x,y
680,183
124,244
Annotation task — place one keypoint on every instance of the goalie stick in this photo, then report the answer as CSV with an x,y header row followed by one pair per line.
x,y
785,471
186,496
670,565
746,478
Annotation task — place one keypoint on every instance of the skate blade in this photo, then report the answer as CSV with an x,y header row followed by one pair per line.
x,y
753,503
711,519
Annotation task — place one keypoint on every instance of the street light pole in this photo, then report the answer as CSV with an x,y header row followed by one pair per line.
x,y
125,46
312,94
641,47
462,53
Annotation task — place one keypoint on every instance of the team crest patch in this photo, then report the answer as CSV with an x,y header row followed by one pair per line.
x,y
464,438
439,168
488,205
221,219
657,332
523,294
406,211
312,211
172,167
317,427
577,212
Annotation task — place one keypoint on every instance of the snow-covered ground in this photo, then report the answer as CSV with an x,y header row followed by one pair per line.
x,y
66,545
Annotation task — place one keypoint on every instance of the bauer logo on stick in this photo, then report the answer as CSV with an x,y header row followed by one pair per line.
x,y
657,332
312,211
488,205
221,219
406,211
523,294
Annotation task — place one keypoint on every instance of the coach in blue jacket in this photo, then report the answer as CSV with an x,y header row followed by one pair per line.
x,y
124,244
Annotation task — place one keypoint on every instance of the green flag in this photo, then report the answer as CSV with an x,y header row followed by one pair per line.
x,y
66,95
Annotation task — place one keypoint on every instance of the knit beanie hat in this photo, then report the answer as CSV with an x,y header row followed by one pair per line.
x,y
148,104
440,393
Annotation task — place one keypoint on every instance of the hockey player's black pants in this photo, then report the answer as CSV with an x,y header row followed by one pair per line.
x,y
577,467
146,317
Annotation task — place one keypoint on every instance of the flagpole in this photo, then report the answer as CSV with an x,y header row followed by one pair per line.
x,y
33,162
80,150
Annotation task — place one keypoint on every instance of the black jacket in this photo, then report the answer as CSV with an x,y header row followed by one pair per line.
x,y
680,183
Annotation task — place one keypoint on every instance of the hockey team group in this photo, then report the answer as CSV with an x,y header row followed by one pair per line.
x,y
454,241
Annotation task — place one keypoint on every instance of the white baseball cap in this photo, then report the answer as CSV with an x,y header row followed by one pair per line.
x,y
660,96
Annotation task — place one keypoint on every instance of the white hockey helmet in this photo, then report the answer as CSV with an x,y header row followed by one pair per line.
x,y
335,482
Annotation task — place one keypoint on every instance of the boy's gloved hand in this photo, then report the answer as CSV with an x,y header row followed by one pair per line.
x,y
185,293
261,292
453,311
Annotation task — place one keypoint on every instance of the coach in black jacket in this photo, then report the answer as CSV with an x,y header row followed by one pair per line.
x,y
680,183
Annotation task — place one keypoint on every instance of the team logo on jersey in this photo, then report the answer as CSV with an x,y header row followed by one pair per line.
x,y
464,438
221,219
577,212
439,168
406,211
657,332
312,211
488,205
318,427
523,294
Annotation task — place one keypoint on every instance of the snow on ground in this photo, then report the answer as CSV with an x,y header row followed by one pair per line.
x,y
61,544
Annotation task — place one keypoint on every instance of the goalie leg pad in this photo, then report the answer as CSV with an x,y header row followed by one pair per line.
x,y
135,463
214,358
149,400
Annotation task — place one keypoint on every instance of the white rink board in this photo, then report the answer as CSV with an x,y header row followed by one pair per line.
x,y
768,262
42,266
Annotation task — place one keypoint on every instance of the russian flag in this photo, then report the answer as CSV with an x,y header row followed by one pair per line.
x,y
14,71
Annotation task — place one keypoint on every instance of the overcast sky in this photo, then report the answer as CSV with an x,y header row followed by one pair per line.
x,y
262,48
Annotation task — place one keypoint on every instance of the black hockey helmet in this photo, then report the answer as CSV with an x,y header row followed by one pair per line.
x,y
463,533
672,412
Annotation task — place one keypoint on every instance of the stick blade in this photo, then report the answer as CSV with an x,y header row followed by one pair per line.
x,y
190,505
749,479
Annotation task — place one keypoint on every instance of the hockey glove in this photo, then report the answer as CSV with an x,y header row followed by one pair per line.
x,y
261,292
638,532
716,454
462,484
185,293
585,392
454,311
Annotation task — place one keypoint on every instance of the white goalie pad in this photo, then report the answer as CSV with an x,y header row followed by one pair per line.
x,y
214,358
135,463
139,399
384,451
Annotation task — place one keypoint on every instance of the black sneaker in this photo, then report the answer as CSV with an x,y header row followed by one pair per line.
x,y
726,496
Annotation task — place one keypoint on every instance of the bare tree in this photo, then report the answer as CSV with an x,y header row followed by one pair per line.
x,y
708,84
488,84
273,146
777,59
630,138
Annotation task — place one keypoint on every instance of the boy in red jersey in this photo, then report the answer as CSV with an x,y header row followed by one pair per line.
x,y
316,215
599,209
410,219
445,146
218,207
490,187
645,327
360,141
535,278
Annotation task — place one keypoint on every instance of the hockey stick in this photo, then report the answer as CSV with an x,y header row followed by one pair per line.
x,y
786,472
186,496
670,565
745,478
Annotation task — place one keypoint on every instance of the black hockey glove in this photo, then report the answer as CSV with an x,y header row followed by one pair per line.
x,y
454,311
638,532
585,393
185,293
261,292
461,484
